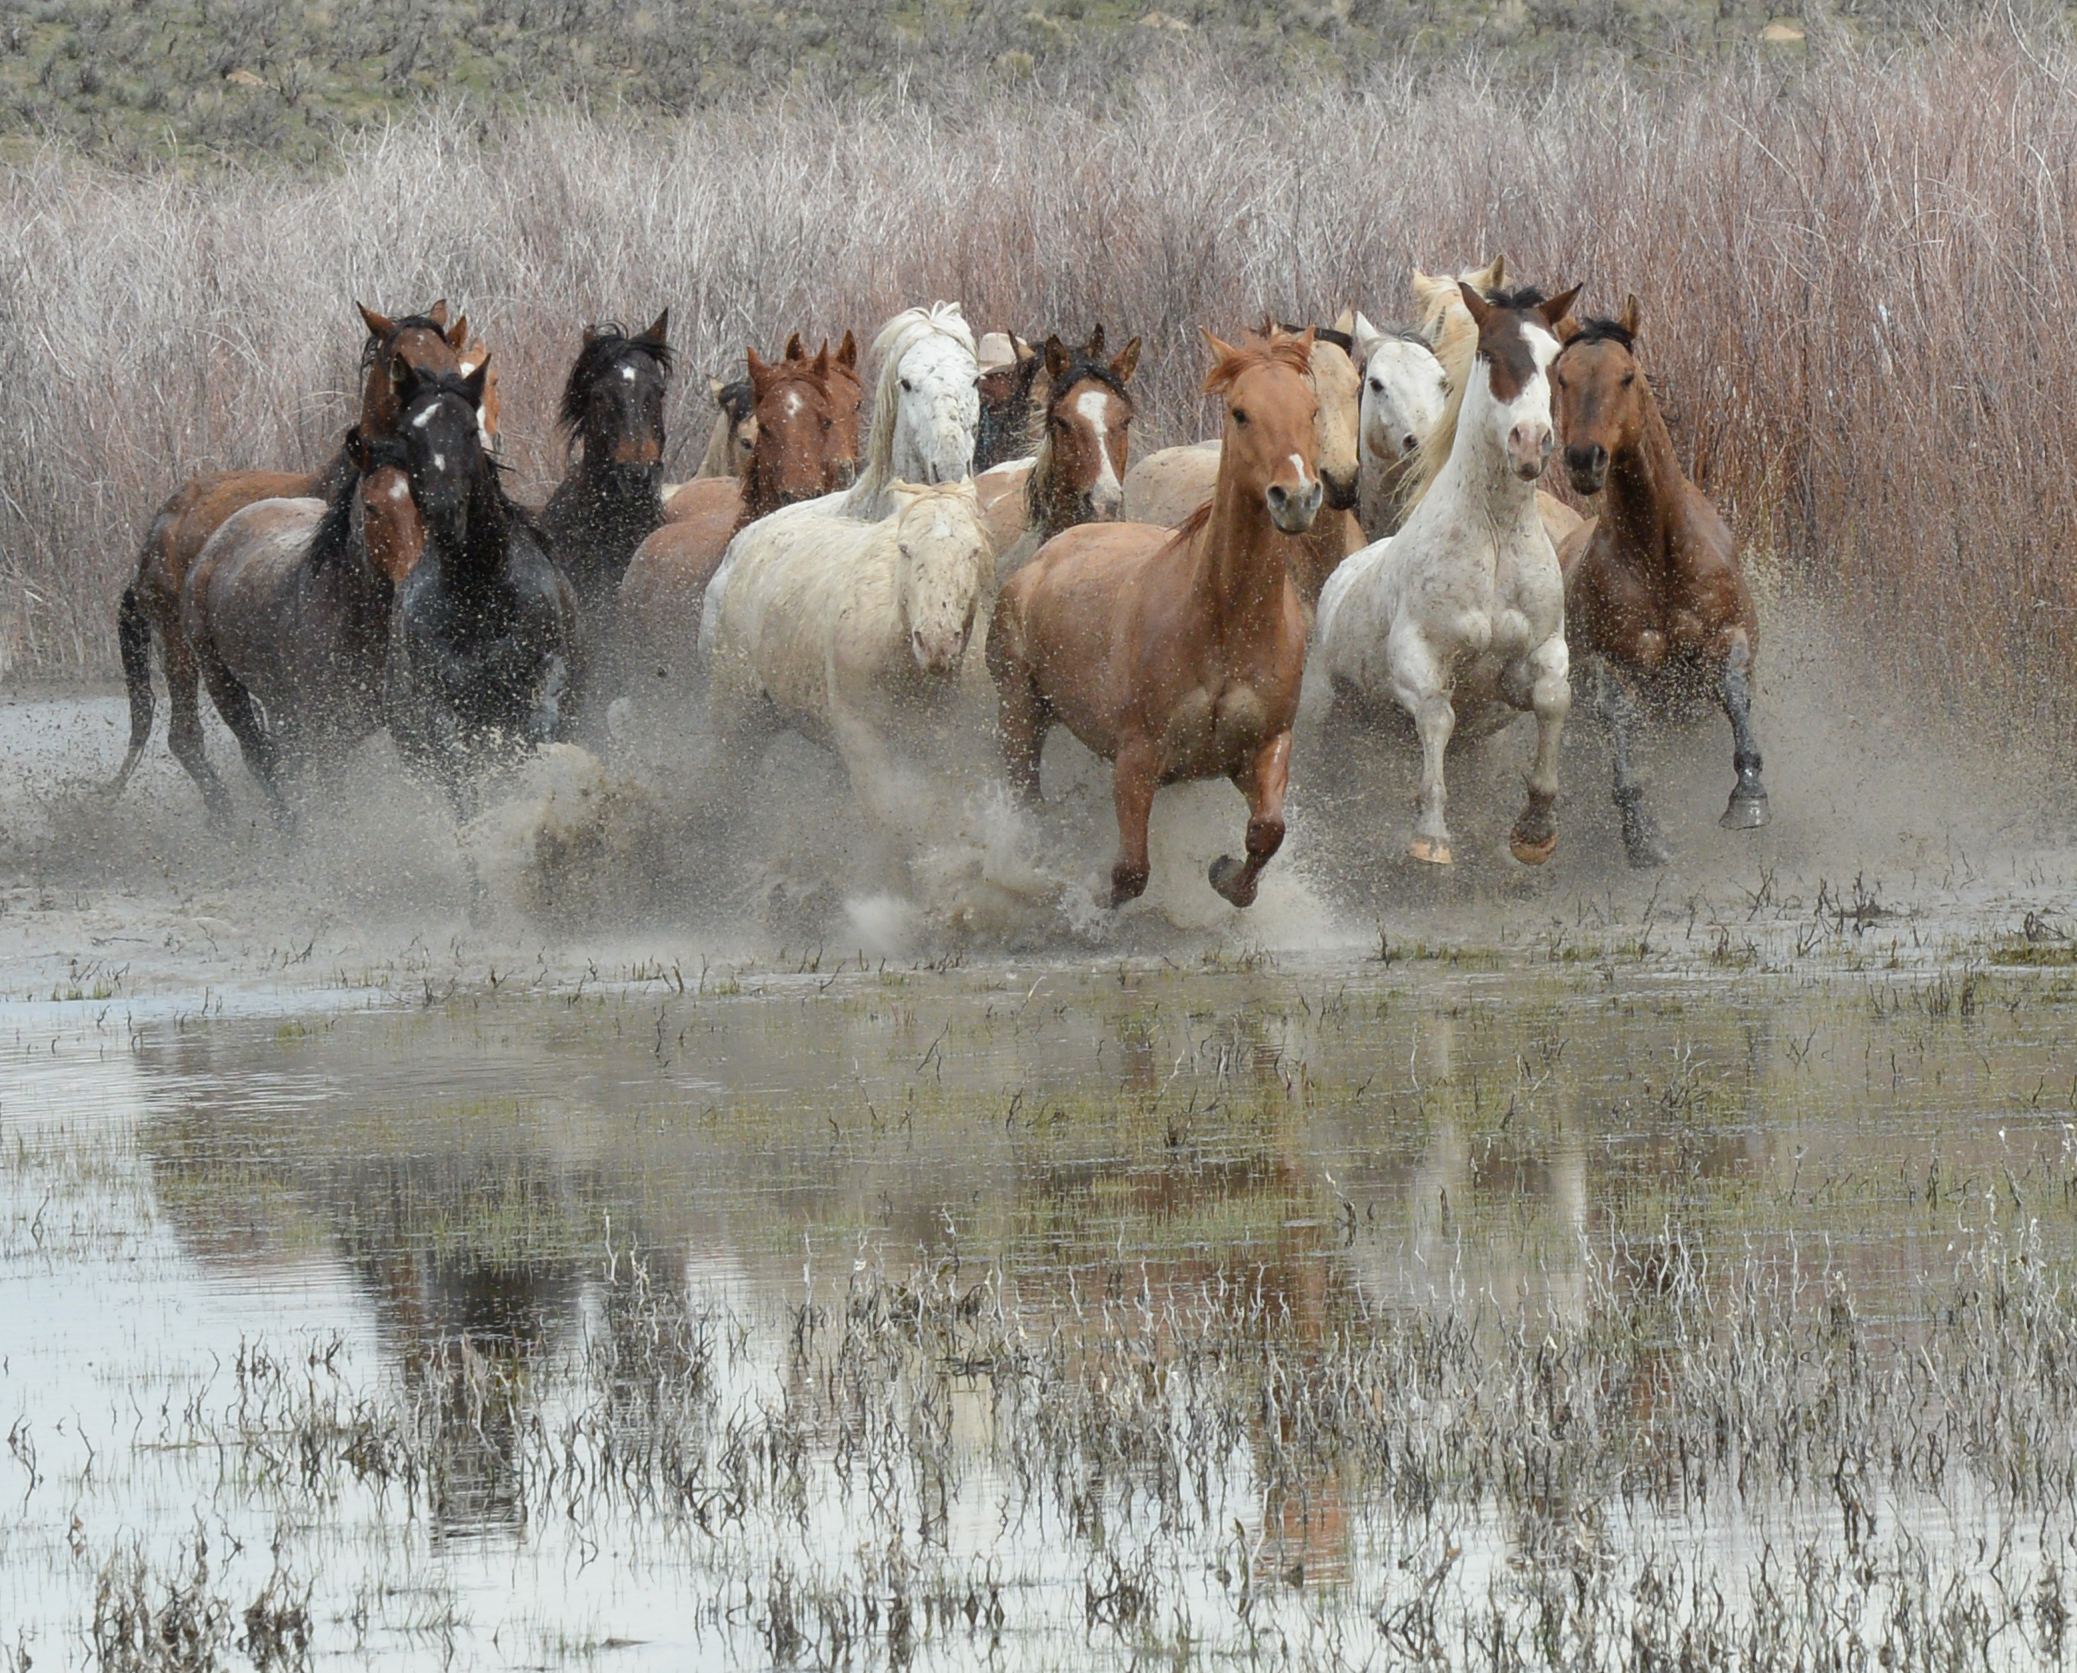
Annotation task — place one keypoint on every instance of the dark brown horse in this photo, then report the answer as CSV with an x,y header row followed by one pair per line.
x,y
1083,435
183,525
612,499
1006,401
1177,654
1656,605
801,451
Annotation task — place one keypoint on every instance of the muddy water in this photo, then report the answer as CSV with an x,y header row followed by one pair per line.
x,y
724,1319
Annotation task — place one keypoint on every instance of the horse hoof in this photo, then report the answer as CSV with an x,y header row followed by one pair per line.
x,y
1647,853
1746,813
1228,876
1428,851
1532,853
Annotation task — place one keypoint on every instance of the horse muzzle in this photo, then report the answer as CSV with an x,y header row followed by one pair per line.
x,y
1293,510
1587,467
1340,491
842,474
938,653
1529,450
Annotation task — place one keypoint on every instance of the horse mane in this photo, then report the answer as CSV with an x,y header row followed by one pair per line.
x,y
602,351
333,535
1457,351
738,400
1271,346
1605,331
897,337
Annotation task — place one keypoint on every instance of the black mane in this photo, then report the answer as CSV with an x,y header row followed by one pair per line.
x,y
738,400
1324,334
332,538
607,346
1605,331
1517,301
1082,369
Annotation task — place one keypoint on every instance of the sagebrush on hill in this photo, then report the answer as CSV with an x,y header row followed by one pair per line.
x,y
1853,272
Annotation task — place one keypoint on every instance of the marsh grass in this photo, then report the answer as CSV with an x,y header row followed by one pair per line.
x,y
1854,309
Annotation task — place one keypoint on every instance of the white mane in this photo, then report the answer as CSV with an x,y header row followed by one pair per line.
x,y
897,337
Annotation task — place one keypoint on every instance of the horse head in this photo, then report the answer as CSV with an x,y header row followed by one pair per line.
x,y
424,342
944,569
1600,390
443,447
1271,447
1403,392
929,396
1088,419
613,400
1517,342
795,429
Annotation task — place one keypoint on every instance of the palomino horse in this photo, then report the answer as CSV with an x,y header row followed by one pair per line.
x,y
1006,399
1077,474
799,446
859,634
1178,655
185,522
1460,617
1404,391
734,432
612,500
484,639
1439,304
286,613
1654,595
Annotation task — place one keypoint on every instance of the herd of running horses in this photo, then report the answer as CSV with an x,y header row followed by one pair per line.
x,y
987,565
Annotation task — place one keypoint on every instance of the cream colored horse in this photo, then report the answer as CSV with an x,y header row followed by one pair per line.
x,y
1460,617
864,636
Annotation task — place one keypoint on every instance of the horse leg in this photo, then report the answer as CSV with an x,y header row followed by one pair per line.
x,y
1135,776
1418,685
1616,709
262,751
1022,721
1535,833
1747,809
1263,782
184,725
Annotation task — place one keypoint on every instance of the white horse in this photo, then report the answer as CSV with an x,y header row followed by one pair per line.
x,y
1404,389
1460,617
864,636
926,407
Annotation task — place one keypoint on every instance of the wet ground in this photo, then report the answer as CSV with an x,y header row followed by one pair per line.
x,y
1560,1269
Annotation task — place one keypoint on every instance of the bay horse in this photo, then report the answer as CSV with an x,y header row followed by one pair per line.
x,y
152,603
1083,438
1656,603
1178,654
1006,393
1459,618
799,453
612,499
286,613
485,636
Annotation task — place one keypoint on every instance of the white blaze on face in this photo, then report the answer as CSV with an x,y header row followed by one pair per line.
x,y
1305,477
423,419
627,373
1092,407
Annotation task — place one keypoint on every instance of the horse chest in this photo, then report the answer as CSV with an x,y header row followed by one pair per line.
x,y
1210,731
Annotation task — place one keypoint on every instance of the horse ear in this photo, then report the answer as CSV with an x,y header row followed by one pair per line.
x,y
795,350
437,313
759,371
659,328
1127,362
1345,322
1365,336
591,335
457,333
714,388
357,449
847,356
1057,358
820,365
1478,306
1222,353
1493,275
1095,348
1567,329
1021,350
379,325
1633,314
1558,307
1426,288
476,382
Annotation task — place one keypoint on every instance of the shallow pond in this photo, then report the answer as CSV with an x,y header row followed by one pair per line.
x,y
1474,1309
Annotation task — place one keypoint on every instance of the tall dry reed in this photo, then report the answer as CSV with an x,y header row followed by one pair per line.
x,y
1855,274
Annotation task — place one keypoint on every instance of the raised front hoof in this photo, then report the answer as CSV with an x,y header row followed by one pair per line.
x,y
1233,880
1429,851
1746,812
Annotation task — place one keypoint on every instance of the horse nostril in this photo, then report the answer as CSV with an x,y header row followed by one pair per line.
x,y
1278,496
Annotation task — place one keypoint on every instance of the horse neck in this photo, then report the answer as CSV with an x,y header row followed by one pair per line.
x,y
1245,561
480,559
1477,478
1644,483
1047,508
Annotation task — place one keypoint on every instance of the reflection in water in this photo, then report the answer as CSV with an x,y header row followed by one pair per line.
x,y
734,1247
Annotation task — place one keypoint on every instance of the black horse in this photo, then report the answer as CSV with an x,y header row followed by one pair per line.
x,y
612,500
485,658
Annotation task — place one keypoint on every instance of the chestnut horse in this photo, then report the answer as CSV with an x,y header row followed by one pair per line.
x,y
735,426
1077,473
612,499
798,456
1178,654
183,525
1655,599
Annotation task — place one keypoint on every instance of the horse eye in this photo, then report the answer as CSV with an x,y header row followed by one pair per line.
x,y
1628,379
908,388
1378,384
1239,417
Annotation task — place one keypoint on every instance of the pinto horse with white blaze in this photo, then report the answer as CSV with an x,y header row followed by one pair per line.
x,y
858,635
1178,654
1459,618
485,659
1655,599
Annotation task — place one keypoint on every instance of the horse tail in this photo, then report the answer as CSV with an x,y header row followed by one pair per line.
x,y
133,639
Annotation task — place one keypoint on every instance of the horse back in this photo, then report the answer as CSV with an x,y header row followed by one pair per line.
x,y
241,592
